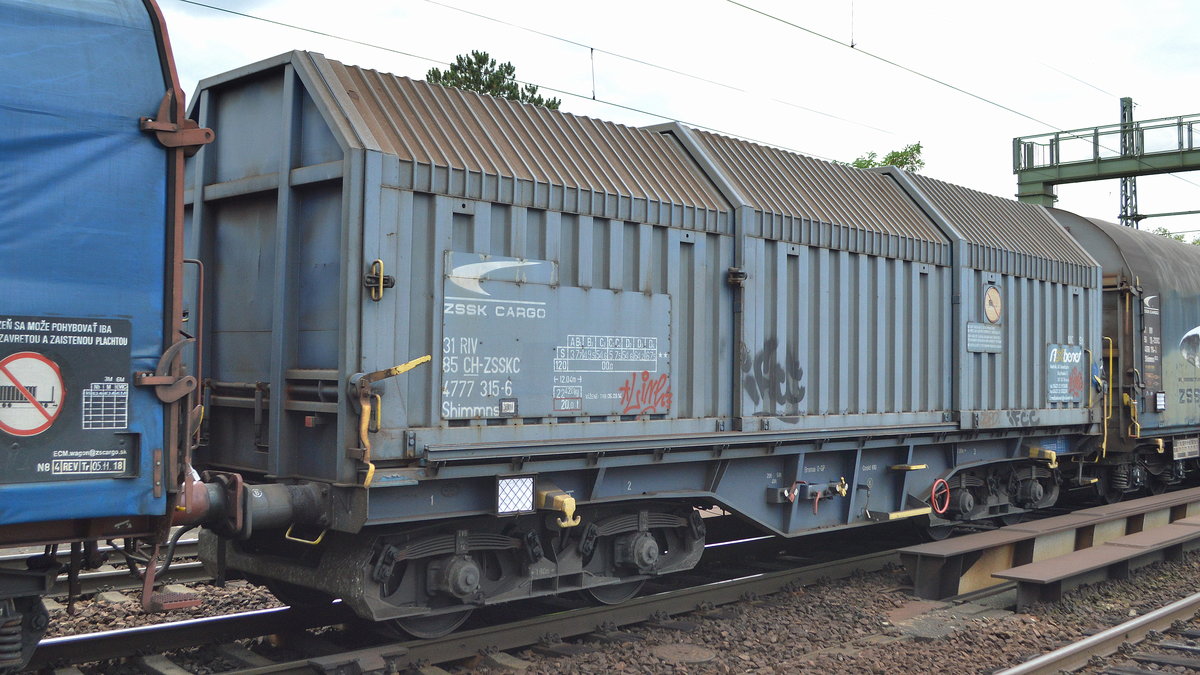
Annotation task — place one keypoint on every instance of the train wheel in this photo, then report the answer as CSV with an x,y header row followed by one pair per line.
x,y
925,528
429,627
939,532
614,594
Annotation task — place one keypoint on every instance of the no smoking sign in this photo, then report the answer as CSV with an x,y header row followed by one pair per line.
x,y
31,393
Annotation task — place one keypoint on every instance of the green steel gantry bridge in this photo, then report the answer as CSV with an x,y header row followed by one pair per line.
x,y
1124,150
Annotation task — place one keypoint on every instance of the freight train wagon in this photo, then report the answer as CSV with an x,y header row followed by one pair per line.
x,y
465,350
91,390
1150,359
612,327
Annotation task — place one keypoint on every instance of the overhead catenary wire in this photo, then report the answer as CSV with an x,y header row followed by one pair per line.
x,y
314,31
564,92
851,45
1077,79
667,69
592,96
925,76
892,63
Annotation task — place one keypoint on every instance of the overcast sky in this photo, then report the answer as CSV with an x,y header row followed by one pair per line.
x,y
744,71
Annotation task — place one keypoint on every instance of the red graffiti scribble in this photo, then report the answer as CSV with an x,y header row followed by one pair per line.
x,y
642,395
1075,384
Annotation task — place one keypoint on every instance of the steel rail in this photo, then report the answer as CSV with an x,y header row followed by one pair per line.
x,y
460,645
122,580
94,581
570,623
1104,643
11,557
155,639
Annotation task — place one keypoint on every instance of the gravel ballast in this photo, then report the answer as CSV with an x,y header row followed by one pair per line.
x,y
869,623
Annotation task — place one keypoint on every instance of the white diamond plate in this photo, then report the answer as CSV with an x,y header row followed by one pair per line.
x,y
514,495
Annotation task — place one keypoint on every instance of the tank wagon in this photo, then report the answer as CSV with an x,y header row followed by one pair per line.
x,y
93,398
602,328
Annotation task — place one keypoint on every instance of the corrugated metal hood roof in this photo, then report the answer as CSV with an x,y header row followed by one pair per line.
x,y
447,127
787,184
1004,224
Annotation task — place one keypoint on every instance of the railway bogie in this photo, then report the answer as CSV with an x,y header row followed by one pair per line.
x,y
396,572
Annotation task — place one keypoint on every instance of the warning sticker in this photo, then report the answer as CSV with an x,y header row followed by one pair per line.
x,y
67,403
31,393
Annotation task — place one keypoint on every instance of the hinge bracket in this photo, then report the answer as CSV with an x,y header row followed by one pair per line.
x,y
186,134
167,387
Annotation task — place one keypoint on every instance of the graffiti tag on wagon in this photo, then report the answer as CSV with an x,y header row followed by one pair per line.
x,y
991,419
643,395
1076,384
771,384
1024,418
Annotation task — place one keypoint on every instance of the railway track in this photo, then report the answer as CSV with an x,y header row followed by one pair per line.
x,y
731,572
721,580
185,570
1165,637
545,629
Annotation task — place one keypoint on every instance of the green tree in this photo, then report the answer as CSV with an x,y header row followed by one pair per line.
x,y
1160,230
479,72
907,158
